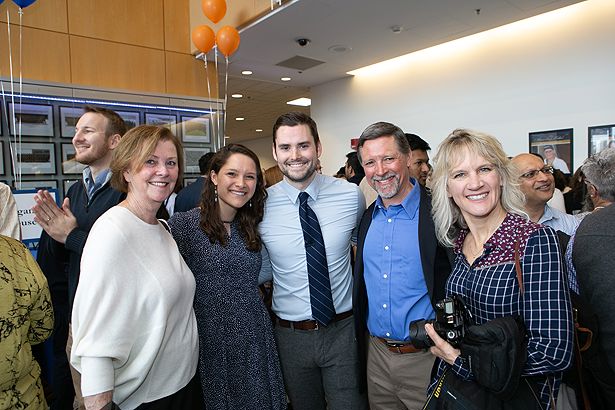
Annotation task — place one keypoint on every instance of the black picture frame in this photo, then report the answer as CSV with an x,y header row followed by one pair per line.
x,y
36,119
555,146
68,120
600,137
36,158
69,165
191,159
164,120
131,118
196,129
38,184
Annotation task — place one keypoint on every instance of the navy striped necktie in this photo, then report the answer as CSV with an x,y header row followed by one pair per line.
x,y
318,270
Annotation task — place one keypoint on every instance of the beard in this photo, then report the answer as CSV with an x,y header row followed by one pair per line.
x,y
390,191
298,175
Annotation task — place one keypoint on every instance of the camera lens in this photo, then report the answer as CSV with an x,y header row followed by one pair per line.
x,y
418,336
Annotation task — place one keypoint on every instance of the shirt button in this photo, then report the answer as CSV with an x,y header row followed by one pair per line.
x,y
387,334
384,305
385,276
389,220
386,248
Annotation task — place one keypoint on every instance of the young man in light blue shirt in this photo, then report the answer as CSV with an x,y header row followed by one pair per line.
x,y
318,356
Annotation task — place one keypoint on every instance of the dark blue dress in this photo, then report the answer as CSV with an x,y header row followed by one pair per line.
x,y
238,360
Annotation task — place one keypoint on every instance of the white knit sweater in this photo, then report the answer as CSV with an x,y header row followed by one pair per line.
x,y
134,329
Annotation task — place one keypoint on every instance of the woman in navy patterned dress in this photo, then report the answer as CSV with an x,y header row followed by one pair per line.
x,y
238,363
478,209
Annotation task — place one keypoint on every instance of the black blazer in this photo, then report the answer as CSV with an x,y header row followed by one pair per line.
x,y
436,261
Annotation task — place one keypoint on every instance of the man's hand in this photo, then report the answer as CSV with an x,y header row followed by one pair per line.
x,y
57,222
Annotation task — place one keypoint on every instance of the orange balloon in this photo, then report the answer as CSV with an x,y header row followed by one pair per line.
x,y
214,9
203,38
227,40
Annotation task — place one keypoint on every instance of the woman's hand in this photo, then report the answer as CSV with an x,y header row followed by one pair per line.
x,y
442,348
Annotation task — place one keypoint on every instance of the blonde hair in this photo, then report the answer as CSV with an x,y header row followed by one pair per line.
x,y
446,214
135,147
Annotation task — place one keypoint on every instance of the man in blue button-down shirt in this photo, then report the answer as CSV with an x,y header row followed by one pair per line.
x,y
399,274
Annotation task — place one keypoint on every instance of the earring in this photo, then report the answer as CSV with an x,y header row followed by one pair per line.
x,y
250,204
215,194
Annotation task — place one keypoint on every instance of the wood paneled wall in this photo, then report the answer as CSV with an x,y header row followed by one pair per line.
x,y
135,45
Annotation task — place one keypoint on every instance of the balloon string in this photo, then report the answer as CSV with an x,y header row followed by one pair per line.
x,y
220,135
13,147
20,81
211,115
225,96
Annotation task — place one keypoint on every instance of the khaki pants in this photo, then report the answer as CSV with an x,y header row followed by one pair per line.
x,y
397,381
78,403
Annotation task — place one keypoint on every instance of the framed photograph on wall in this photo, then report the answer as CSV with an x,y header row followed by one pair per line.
x,y
66,184
36,119
164,120
68,120
1,158
36,158
191,159
555,147
69,165
45,184
195,129
600,137
131,118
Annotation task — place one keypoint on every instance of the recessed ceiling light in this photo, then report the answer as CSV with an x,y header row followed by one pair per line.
x,y
246,72
339,49
285,79
259,130
304,102
236,95
239,118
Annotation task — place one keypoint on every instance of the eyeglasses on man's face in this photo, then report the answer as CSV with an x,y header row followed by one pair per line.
x,y
534,173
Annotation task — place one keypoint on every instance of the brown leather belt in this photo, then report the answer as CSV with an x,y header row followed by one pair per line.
x,y
310,324
400,348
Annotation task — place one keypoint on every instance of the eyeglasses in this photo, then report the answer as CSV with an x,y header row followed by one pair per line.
x,y
534,173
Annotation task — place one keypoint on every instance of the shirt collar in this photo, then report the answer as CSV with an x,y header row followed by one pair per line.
x,y
547,215
410,203
92,184
312,190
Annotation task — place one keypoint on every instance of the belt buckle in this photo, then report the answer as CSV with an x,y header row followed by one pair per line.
x,y
317,326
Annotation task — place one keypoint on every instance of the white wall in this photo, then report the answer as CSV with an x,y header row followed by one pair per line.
x,y
262,148
549,72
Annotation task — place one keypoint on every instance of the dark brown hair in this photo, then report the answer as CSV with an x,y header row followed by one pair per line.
x,y
248,216
292,119
135,147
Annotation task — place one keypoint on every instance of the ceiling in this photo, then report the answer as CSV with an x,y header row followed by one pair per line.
x,y
344,35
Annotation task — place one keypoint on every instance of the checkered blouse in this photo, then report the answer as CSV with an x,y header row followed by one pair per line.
x,y
490,289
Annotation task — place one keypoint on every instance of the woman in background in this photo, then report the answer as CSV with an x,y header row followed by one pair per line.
x,y
26,318
238,363
135,337
478,210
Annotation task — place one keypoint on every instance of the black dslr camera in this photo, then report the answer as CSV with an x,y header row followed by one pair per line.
x,y
452,319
